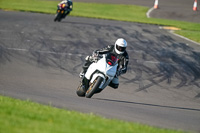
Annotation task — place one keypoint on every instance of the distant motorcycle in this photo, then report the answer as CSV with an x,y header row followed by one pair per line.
x,y
99,74
63,10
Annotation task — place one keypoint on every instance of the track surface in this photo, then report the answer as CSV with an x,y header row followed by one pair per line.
x,y
40,60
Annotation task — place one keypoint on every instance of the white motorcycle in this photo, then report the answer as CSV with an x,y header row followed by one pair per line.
x,y
99,74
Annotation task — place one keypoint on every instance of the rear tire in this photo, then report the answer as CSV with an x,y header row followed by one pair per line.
x,y
93,87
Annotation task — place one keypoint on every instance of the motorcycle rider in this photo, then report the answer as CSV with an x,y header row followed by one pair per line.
x,y
119,48
68,3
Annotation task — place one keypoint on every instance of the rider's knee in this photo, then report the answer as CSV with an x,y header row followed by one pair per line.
x,y
114,86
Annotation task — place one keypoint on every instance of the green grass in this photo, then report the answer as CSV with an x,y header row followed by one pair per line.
x,y
193,35
19,116
104,11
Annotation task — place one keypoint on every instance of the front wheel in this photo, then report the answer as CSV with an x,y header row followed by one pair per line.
x,y
80,92
93,87
58,17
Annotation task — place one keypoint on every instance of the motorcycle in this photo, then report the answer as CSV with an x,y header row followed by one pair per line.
x,y
63,10
99,75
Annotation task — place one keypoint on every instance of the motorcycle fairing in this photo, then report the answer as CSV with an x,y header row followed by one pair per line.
x,y
102,69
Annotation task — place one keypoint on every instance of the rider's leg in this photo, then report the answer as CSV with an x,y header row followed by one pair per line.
x,y
66,14
114,83
85,67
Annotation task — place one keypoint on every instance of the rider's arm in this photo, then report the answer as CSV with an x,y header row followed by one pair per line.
x,y
104,50
124,64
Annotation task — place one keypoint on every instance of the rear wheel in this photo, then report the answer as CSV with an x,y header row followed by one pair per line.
x,y
93,87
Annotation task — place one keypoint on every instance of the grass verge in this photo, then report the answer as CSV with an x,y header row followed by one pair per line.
x,y
19,116
129,13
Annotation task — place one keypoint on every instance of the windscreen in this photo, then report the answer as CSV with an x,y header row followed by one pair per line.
x,y
111,59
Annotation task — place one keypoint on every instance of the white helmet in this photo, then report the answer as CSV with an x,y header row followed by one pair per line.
x,y
120,46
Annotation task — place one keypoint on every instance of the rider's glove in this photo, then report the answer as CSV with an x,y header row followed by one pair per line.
x,y
95,56
89,58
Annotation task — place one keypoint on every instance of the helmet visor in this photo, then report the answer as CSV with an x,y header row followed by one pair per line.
x,y
121,49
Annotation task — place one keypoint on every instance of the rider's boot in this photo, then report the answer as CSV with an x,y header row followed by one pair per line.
x,y
82,74
85,67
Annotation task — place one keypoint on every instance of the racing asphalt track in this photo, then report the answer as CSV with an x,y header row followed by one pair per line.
x,y
40,60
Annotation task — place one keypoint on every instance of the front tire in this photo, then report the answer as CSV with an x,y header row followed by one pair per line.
x,y
58,17
80,92
93,87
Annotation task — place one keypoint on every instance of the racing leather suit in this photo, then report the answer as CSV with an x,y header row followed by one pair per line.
x,y
68,3
122,63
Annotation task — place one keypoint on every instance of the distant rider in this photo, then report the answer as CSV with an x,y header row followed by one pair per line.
x,y
69,5
120,50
